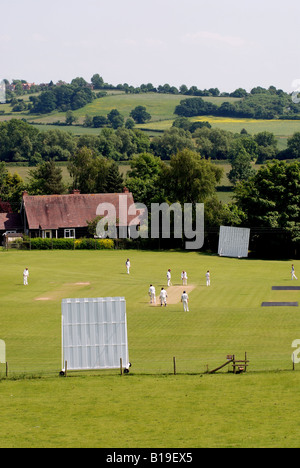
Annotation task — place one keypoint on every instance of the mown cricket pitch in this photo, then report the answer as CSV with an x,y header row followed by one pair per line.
x,y
174,293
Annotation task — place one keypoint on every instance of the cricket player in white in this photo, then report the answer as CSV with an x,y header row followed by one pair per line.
x,y
293,273
128,266
25,276
152,294
185,301
169,277
207,278
163,297
184,278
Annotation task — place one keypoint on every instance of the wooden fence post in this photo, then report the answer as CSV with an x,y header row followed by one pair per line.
x,y
293,361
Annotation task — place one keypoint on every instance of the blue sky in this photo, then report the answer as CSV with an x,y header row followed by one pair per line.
x,y
217,43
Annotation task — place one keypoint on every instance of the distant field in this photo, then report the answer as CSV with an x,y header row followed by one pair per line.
x,y
161,107
73,129
282,129
24,172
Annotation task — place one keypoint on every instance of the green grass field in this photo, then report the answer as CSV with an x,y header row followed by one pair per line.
x,y
161,107
150,407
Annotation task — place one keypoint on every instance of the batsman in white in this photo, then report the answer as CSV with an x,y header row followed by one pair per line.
x,y
184,278
128,266
163,297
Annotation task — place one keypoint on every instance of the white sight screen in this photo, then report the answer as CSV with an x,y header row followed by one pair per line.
x,y
94,333
2,352
234,242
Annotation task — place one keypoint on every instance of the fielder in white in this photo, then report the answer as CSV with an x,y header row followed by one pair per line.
x,y
25,276
128,266
207,278
185,301
169,277
163,297
152,295
184,278
293,273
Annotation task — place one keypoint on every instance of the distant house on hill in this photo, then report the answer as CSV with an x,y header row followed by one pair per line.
x,y
27,86
67,216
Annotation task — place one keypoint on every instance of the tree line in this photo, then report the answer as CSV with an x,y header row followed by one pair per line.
x,y
21,142
267,200
259,103
255,106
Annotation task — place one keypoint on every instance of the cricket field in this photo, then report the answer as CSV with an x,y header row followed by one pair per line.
x,y
152,406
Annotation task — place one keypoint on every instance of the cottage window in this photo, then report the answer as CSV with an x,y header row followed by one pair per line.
x,y
69,233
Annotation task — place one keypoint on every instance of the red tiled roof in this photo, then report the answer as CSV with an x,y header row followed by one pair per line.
x,y
10,222
70,211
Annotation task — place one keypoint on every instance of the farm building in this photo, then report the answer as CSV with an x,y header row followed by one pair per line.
x,y
67,216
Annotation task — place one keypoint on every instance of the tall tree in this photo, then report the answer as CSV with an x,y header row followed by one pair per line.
x,y
11,189
114,179
271,201
115,118
70,118
191,179
144,179
140,114
97,81
46,179
89,171
19,141
240,160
